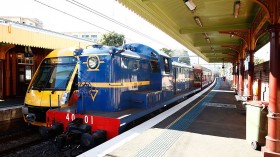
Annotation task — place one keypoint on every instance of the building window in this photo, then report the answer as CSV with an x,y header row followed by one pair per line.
x,y
93,36
24,60
28,73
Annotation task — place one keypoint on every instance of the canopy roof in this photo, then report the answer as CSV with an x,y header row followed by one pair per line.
x,y
217,30
20,34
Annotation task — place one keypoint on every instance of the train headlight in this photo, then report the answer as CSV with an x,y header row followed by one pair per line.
x,y
92,62
64,98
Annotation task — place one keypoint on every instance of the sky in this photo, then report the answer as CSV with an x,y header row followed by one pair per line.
x,y
57,21
60,22
263,53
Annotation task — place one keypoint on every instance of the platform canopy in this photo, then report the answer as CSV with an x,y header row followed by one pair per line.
x,y
12,33
216,30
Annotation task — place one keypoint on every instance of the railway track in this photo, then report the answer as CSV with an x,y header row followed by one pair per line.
x,y
19,139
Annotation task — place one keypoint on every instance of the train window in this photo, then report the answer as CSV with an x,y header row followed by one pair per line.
x,y
132,64
124,63
154,66
135,65
166,65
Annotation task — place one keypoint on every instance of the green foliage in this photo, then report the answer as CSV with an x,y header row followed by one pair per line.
x,y
182,54
185,58
258,61
167,51
112,39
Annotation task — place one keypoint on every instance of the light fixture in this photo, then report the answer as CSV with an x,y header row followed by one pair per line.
x,y
197,20
28,52
190,5
92,62
231,35
236,8
208,40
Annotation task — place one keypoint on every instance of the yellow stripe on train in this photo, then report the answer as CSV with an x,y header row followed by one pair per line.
x,y
116,85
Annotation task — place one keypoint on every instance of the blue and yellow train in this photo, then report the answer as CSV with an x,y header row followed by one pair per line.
x,y
117,86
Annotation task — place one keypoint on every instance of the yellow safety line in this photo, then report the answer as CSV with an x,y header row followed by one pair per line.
x,y
185,113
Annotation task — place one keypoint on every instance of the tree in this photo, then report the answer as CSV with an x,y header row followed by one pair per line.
x,y
112,39
181,54
185,58
258,61
167,51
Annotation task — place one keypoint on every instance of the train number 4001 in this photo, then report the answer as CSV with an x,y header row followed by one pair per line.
x,y
71,117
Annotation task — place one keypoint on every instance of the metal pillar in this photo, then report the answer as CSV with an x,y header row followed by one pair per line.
x,y
241,77
251,75
272,147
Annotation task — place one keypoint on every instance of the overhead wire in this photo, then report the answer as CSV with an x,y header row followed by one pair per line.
x,y
71,15
75,17
101,15
74,2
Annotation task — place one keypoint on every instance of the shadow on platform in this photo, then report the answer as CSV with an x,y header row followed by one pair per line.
x,y
17,101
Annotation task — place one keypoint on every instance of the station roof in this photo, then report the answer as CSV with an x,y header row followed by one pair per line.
x,y
20,34
216,30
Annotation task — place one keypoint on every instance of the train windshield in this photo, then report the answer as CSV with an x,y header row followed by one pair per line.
x,y
54,73
197,76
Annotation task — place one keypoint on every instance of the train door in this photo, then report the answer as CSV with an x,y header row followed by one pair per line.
x,y
24,73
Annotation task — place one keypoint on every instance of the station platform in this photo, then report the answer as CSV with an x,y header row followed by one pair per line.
x,y
10,102
11,108
209,124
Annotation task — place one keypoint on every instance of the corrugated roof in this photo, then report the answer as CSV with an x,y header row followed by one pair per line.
x,y
19,34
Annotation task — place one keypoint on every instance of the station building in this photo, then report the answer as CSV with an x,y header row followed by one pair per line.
x,y
92,36
22,48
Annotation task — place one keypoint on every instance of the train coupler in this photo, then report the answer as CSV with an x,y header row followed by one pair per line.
x,y
53,131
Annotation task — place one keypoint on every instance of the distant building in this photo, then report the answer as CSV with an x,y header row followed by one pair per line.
x,y
92,36
28,21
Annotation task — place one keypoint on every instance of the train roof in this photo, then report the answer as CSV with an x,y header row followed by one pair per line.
x,y
97,49
163,54
134,50
197,66
181,64
62,52
144,49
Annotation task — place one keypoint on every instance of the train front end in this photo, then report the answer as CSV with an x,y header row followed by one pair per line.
x,y
51,87
91,120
